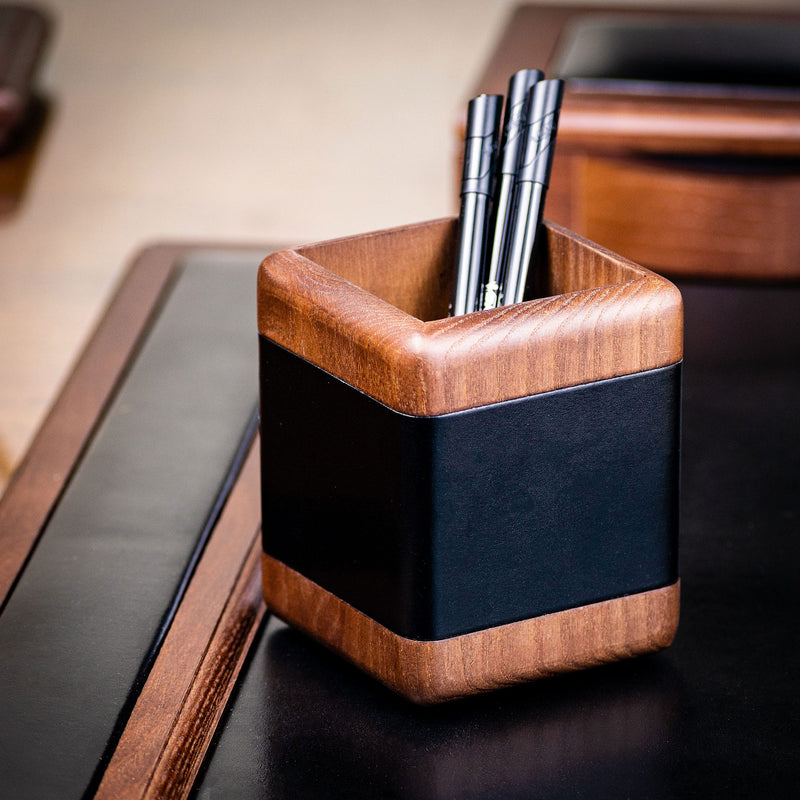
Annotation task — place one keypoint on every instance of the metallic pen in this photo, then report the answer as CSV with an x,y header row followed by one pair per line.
x,y
480,148
514,119
533,177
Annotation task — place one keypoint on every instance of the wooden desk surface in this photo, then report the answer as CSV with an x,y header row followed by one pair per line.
x,y
193,120
63,249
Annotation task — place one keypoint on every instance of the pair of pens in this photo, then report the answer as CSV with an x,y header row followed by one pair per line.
x,y
499,213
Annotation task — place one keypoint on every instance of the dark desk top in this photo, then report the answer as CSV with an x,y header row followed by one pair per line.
x,y
715,715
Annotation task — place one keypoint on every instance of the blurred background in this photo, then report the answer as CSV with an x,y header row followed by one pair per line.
x,y
251,121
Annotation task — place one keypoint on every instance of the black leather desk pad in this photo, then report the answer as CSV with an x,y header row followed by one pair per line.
x,y
716,715
664,55
81,627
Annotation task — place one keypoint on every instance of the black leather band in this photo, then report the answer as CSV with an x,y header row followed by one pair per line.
x,y
437,526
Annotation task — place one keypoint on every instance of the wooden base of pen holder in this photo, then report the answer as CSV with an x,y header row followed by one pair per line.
x,y
459,504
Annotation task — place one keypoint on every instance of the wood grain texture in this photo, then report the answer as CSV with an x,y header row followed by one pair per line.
x,y
45,469
435,671
758,231
691,186
175,716
617,124
603,317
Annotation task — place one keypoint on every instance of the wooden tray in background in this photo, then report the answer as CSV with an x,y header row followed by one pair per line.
x,y
690,180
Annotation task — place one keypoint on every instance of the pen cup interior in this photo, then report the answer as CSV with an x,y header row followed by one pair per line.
x,y
412,268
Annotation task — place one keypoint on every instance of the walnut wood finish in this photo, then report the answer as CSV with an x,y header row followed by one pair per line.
x,y
176,714
758,233
434,671
616,178
366,310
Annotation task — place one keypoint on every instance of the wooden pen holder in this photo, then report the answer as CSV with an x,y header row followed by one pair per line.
x,y
458,504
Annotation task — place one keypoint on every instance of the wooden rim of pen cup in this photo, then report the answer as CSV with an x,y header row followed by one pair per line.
x,y
371,310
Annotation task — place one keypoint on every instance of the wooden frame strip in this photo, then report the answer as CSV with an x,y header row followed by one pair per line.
x,y
170,728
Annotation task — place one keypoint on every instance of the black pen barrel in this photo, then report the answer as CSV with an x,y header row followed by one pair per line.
x,y
514,119
517,240
473,216
480,149
533,177
528,236
542,126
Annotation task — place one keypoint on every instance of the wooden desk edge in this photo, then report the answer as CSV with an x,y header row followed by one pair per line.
x,y
165,739
176,714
